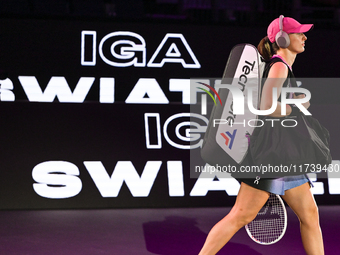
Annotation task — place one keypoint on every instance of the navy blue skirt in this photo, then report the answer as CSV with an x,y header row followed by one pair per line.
x,y
278,185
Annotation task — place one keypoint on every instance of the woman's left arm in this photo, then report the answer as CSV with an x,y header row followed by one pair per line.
x,y
307,104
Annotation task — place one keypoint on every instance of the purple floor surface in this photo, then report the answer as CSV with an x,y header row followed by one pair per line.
x,y
142,231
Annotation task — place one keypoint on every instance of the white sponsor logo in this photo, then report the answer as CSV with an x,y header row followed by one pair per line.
x,y
193,130
6,93
124,48
60,179
145,91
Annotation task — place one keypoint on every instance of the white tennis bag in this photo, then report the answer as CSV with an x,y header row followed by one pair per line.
x,y
226,139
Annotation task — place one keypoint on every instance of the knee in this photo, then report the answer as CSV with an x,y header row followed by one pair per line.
x,y
242,217
310,215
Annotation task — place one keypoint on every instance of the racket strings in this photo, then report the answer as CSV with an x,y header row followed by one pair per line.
x,y
270,223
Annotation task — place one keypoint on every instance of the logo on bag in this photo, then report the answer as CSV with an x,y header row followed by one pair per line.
x,y
229,138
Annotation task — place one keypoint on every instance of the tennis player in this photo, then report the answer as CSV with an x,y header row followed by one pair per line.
x,y
295,190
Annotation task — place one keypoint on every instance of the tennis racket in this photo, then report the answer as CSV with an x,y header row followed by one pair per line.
x,y
270,224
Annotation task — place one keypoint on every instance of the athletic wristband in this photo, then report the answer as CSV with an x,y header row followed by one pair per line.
x,y
295,110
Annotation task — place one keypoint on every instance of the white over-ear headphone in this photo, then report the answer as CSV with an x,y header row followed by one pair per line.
x,y
282,38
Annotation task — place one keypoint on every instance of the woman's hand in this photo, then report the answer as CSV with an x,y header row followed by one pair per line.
x,y
307,104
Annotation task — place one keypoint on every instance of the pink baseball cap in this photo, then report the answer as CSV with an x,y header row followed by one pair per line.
x,y
289,25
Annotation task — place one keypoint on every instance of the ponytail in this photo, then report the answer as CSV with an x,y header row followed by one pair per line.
x,y
267,49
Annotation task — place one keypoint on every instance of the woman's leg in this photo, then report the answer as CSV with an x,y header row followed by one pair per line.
x,y
248,203
301,201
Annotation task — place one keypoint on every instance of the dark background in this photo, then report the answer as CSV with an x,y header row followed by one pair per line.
x,y
42,39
